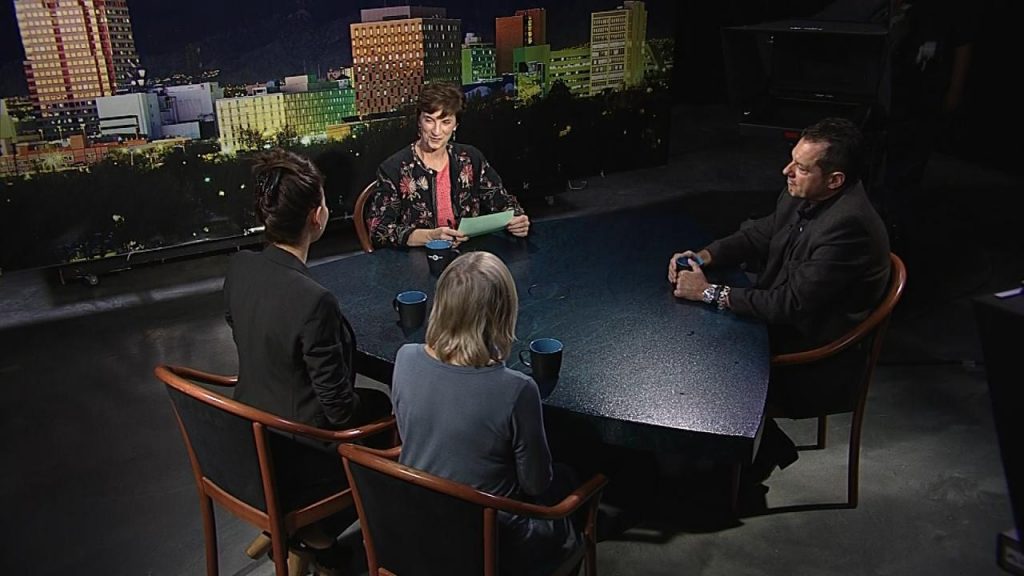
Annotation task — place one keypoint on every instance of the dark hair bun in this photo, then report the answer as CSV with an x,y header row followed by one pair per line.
x,y
288,187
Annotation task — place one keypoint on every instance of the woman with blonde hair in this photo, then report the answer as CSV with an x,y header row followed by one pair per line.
x,y
464,416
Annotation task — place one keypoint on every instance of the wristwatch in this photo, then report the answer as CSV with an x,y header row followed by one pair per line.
x,y
710,294
723,297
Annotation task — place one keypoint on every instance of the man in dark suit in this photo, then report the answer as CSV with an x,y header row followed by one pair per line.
x,y
825,266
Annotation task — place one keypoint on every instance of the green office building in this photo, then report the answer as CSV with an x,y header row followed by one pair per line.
x,y
530,65
571,66
477,62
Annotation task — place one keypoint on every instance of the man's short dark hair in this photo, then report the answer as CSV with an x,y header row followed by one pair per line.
x,y
844,153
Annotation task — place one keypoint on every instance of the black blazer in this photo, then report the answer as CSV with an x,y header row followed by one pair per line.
x,y
294,345
826,267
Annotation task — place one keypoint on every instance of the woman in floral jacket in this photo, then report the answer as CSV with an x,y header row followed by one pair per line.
x,y
425,188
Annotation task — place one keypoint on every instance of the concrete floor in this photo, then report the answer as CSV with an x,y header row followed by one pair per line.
x,y
96,480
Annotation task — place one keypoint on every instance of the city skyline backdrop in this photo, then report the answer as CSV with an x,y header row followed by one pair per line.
x,y
160,160
259,44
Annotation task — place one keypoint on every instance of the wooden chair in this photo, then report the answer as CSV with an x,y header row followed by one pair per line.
x,y
871,331
239,456
359,217
417,523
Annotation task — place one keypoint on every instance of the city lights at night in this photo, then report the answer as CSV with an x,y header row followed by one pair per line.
x,y
147,113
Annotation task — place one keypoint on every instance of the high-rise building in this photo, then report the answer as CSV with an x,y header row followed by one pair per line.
x,y
396,50
526,28
571,66
75,52
477,60
617,41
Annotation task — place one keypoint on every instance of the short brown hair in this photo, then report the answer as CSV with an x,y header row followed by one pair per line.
x,y
440,96
473,320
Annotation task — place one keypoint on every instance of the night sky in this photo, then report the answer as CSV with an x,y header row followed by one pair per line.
x,y
164,27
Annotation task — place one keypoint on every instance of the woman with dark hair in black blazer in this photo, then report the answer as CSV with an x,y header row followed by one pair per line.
x,y
294,345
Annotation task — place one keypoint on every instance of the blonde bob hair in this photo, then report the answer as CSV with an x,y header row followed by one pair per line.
x,y
473,320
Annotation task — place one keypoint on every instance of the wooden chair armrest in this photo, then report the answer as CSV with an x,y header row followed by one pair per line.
x,y
204,377
877,320
392,453
831,349
586,492
805,356
365,431
181,377
589,491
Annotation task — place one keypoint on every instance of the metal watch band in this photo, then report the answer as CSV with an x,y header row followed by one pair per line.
x,y
710,294
723,297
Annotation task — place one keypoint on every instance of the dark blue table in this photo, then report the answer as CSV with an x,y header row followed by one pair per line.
x,y
644,369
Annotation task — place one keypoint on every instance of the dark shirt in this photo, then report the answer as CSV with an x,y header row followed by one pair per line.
x,y
294,345
826,267
407,189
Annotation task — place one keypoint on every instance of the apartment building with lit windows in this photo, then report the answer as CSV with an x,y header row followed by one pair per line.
x,y
571,66
302,106
617,41
75,52
396,50
477,60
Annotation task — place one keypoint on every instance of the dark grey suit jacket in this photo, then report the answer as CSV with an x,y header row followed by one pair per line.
x,y
294,345
825,268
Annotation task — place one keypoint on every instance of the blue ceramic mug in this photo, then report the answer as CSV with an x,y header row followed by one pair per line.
x,y
411,306
440,254
545,359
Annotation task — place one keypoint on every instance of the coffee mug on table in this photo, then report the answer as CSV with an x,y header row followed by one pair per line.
x,y
440,254
411,306
545,359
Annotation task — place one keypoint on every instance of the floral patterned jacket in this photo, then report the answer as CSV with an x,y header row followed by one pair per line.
x,y
406,193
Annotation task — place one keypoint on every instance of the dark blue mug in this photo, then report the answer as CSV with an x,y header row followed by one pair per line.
x,y
685,263
440,254
411,306
545,360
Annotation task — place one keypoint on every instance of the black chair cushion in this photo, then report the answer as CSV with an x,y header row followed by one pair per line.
x,y
224,446
413,527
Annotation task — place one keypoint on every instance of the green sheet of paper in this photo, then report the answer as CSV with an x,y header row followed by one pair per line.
x,y
485,224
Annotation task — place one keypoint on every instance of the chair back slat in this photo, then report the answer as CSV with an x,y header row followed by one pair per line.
x,y
224,446
408,527
359,217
